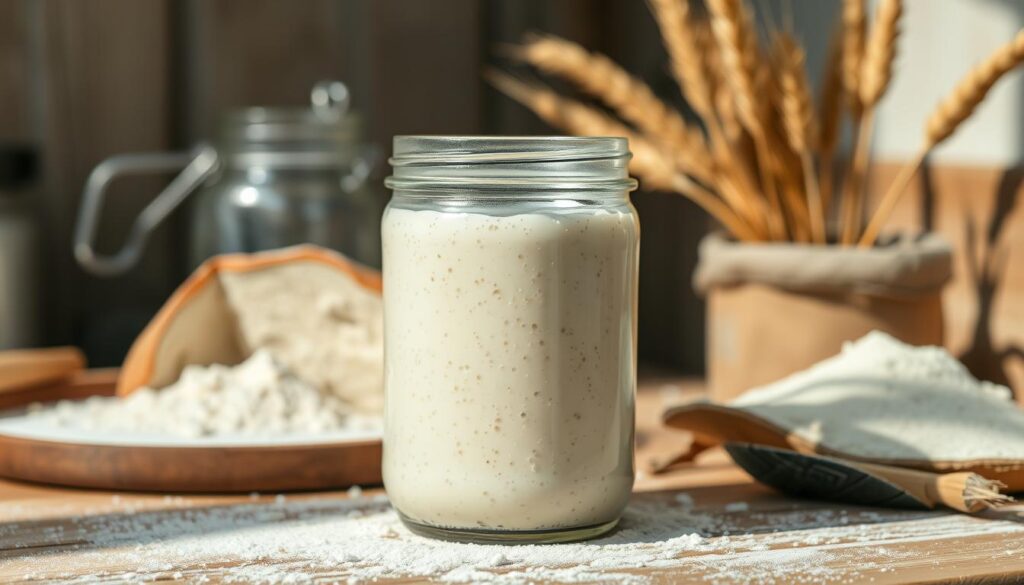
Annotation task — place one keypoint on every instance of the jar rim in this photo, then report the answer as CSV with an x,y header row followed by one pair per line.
x,y
536,163
277,125
410,150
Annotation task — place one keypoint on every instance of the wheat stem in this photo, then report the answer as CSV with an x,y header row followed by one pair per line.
x,y
889,201
817,209
628,96
945,120
693,56
798,124
682,45
648,163
874,76
854,31
852,207
830,102
714,207
736,39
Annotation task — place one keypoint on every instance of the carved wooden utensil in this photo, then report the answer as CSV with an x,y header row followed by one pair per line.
x,y
24,368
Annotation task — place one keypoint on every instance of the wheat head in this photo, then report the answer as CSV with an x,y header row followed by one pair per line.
x,y
721,98
649,163
854,30
830,101
628,96
795,99
731,24
971,90
945,120
682,44
876,70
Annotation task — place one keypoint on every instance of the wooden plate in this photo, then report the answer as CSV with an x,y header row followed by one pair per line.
x,y
178,467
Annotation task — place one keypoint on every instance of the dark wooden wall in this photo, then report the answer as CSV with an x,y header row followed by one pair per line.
x,y
85,80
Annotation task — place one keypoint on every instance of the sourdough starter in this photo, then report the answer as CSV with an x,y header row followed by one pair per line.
x,y
510,366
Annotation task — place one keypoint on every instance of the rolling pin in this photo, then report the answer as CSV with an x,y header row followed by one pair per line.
x,y
23,368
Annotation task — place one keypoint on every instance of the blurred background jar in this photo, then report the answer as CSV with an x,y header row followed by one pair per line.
x,y
19,285
274,177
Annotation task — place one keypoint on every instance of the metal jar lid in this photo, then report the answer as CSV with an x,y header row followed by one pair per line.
x,y
322,135
510,163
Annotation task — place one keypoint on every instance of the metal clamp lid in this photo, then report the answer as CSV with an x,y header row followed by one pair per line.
x,y
292,138
330,100
198,165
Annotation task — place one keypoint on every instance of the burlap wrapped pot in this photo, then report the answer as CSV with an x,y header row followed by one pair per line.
x,y
777,308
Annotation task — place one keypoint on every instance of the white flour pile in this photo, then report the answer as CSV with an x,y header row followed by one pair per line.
x,y
881,398
362,541
316,365
321,324
259,397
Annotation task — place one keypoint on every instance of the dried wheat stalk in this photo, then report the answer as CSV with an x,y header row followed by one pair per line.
x,y
656,170
732,28
733,151
971,90
685,46
880,53
635,102
854,31
876,72
799,124
737,45
830,110
944,121
755,173
724,105
630,97
783,162
684,51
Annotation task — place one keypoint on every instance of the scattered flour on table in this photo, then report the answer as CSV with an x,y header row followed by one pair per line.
x,y
737,507
259,397
361,540
885,399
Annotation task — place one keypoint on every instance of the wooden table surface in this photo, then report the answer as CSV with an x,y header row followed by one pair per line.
x,y
784,540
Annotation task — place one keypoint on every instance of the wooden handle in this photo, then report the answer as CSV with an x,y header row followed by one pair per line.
x,y
23,368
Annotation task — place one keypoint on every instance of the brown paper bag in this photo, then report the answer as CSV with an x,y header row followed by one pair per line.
x,y
197,326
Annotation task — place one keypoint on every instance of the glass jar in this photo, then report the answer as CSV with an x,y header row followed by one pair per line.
x,y
287,176
510,271
273,177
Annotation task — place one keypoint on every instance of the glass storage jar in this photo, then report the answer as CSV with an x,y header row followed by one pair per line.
x,y
510,283
273,177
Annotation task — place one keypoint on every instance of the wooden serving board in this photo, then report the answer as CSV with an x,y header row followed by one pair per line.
x,y
181,467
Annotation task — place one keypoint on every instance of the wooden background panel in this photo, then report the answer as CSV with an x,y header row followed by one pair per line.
x,y
15,110
85,80
240,53
980,211
507,22
102,86
426,59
